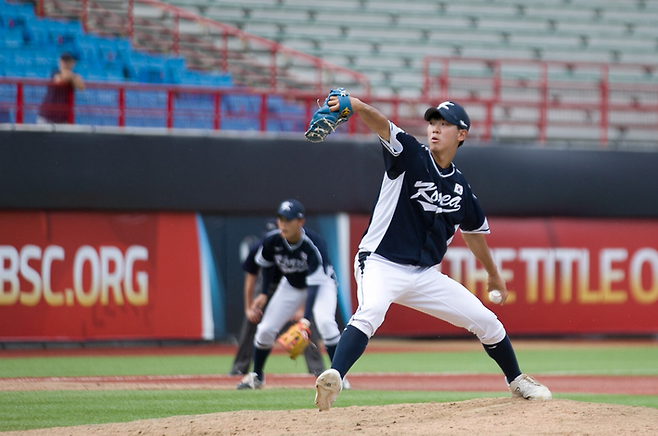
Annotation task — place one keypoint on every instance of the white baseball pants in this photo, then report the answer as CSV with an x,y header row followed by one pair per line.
x,y
427,290
285,302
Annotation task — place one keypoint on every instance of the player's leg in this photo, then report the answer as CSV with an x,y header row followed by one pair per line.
x,y
442,297
243,355
378,282
280,309
324,312
314,361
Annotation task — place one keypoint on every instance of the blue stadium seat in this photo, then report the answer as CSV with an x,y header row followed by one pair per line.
x,y
115,73
193,121
7,93
35,35
239,123
175,63
108,49
30,47
87,50
34,71
13,70
144,121
11,38
6,115
15,15
64,35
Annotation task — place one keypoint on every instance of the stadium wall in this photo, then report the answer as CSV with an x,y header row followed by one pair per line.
x,y
250,175
131,237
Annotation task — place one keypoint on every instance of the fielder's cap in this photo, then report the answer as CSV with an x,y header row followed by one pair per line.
x,y
452,113
291,209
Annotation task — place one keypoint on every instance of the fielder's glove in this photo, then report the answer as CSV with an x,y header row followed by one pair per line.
x,y
296,338
324,121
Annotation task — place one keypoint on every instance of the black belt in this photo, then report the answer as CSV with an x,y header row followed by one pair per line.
x,y
362,259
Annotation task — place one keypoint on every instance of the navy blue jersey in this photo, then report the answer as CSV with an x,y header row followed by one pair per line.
x,y
419,206
303,264
249,265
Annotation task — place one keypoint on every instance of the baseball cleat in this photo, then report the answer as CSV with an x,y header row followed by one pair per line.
x,y
327,387
250,381
346,384
529,388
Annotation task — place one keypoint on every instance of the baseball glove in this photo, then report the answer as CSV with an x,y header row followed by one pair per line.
x,y
324,121
296,338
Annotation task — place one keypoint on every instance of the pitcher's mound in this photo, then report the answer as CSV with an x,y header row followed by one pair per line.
x,y
486,416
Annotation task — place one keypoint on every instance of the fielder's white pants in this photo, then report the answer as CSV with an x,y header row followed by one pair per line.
x,y
427,290
285,302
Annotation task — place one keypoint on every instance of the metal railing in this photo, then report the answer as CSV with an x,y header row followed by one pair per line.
x,y
160,106
207,44
509,100
527,119
551,101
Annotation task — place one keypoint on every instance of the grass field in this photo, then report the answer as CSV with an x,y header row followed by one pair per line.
x,y
20,410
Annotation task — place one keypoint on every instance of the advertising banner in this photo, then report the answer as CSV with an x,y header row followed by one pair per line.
x,y
565,276
79,276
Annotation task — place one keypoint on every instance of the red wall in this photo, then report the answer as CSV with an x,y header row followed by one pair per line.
x,y
80,276
566,276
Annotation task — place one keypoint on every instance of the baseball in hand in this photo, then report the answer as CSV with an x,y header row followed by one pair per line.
x,y
495,296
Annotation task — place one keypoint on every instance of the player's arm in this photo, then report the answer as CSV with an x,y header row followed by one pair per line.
x,y
477,243
316,272
265,260
253,306
374,119
252,309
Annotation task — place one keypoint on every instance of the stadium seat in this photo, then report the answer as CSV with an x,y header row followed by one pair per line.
x,y
386,31
31,45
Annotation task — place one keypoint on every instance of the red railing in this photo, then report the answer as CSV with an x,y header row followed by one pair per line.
x,y
543,119
507,99
264,64
164,106
551,100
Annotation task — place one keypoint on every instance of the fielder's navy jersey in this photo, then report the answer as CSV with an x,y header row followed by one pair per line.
x,y
419,206
303,264
249,265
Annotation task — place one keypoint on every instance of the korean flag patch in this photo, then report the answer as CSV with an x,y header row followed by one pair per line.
x,y
459,189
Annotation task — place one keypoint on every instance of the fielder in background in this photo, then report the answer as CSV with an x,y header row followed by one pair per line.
x,y
300,256
255,301
422,201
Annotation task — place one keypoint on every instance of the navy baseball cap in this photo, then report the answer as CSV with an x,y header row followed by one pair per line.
x,y
452,113
291,209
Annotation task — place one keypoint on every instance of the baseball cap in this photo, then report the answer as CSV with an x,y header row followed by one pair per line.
x,y
291,209
451,112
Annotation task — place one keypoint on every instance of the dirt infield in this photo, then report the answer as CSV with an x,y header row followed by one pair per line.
x,y
638,385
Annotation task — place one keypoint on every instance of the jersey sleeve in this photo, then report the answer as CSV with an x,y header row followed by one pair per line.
x,y
249,265
396,149
393,145
265,254
318,260
474,219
